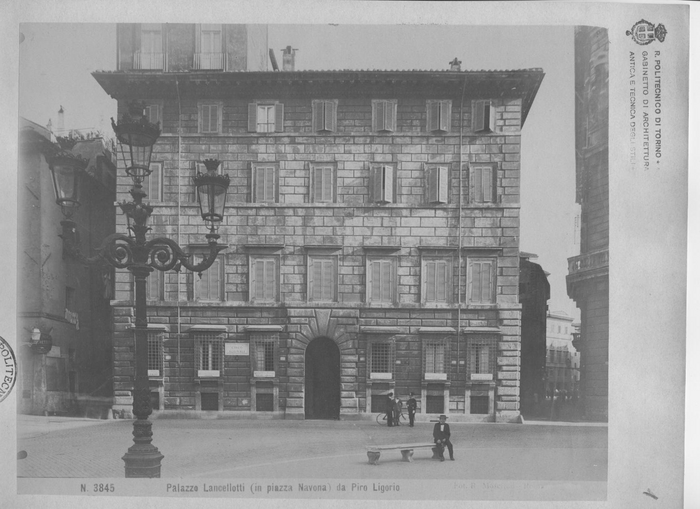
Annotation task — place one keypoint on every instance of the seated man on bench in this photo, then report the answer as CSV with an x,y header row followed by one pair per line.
x,y
441,436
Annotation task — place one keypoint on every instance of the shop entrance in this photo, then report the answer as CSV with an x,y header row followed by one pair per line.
x,y
322,383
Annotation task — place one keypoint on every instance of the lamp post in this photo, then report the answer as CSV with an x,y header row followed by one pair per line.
x,y
139,255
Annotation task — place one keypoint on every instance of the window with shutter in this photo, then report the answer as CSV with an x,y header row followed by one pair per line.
x,y
484,117
151,53
322,278
384,115
382,184
324,116
263,279
208,53
153,113
322,184
208,286
439,115
153,184
481,283
482,188
436,281
210,117
381,280
438,184
265,187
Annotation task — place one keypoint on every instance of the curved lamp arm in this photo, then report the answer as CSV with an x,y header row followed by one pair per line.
x,y
165,254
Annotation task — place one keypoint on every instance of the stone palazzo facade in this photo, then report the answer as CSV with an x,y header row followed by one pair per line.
x,y
372,225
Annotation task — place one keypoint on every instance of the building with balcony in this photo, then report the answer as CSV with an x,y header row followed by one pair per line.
x,y
64,314
373,234
587,281
563,361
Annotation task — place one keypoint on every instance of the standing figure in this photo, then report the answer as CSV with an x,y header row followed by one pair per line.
x,y
397,410
390,409
411,404
441,436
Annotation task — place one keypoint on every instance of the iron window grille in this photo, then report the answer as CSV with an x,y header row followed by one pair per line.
x,y
209,354
381,360
324,116
481,357
155,354
264,354
435,359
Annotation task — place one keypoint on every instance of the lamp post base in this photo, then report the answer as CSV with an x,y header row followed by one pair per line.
x,y
142,462
142,459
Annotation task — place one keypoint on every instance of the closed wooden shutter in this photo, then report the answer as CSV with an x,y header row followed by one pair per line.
x,y
198,38
270,279
387,281
279,117
441,281
443,173
331,116
375,183
317,115
487,180
478,187
378,116
478,123
390,118
252,117
430,280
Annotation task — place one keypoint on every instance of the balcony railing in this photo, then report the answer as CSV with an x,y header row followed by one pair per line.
x,y
589,261
149,61
213,61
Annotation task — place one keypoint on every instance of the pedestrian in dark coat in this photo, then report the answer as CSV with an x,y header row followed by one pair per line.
x,y
390,409
397,410
412,405
441,436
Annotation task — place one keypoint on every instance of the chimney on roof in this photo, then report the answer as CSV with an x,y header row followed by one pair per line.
x,y
288,58
456,65
60,120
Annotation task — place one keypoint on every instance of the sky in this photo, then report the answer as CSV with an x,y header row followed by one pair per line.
x,y
56,61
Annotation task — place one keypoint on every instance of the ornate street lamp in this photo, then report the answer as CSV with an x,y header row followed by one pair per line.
x,y
140,256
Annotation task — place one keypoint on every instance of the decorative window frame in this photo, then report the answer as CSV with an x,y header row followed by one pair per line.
x,y
433,254
438,116
218,129
326,253
253,116
314,170
255,171
492,261
382,254
485,195
384,115
324,115
213,335
437,184
257,252
382,183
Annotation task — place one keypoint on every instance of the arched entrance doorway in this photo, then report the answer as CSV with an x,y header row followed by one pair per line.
x,y
322,383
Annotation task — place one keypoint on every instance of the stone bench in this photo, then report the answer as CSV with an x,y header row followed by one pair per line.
x,y
374,451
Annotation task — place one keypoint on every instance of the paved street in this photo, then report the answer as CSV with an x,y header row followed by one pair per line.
x,y
223,448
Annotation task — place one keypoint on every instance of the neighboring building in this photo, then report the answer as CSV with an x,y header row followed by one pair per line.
x,y
533,296
563,361
587,282
345,275
69,370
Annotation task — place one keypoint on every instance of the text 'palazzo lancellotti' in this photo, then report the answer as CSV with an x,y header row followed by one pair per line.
x,y
372,225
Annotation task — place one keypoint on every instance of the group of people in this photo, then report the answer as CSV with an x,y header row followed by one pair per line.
x,y
394,406
441,430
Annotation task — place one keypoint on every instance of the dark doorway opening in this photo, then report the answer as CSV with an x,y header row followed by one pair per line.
x,y
322,384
